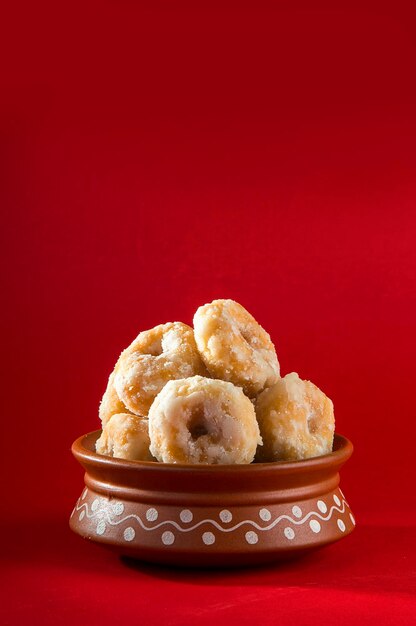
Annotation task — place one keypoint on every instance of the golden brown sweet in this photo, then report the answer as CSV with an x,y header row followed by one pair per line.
x,y
234,347
296,420
125,436
110,403
201,420
156,356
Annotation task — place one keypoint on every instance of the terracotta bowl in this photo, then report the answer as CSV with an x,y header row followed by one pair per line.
x,y
211,515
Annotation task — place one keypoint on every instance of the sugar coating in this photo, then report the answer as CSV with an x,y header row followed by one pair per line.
x,y
125,436
110,403
296,420
201,420
234,347
156,356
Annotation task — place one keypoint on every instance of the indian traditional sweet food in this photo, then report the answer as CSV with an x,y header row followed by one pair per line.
x,y
296,420
156,356
110,403
125,436
235,347
203,420
211,395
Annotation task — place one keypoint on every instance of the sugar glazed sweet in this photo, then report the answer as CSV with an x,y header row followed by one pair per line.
x,y
211,395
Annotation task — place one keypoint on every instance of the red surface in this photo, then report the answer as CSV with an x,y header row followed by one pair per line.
x,y
152,159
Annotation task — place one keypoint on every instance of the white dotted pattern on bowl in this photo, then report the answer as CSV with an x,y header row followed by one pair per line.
x,y
252,537
289,533
265,515
152,515
208,538
108,512
297,511
322,506
168,538
186,516
226,516
315,526
129,533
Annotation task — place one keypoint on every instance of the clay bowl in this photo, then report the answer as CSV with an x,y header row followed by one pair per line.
x,y
215,515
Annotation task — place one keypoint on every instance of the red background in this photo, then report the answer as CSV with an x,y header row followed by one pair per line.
x,y
154,158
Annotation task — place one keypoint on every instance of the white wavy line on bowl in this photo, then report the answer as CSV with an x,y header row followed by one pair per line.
x,y
84,504
214,522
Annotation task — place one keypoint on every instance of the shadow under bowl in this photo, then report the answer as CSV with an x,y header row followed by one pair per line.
x,y
211,515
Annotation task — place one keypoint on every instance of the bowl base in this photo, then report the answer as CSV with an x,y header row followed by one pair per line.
x,y
211,536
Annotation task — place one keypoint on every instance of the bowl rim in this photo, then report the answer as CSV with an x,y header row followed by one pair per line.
x,y
338,456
